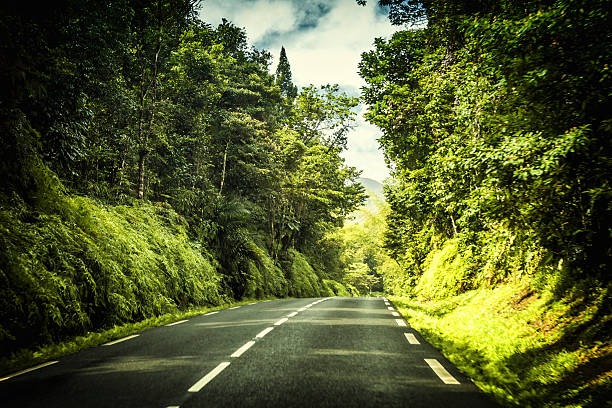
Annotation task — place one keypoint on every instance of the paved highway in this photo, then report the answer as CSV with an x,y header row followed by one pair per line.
x,y
334,352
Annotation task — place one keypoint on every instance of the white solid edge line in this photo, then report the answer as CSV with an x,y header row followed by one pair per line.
x,y
251,303
208,377
301,309
242,349
264,332
281,321
400,322
211,313
440,371
27,370
235,307
411,339
292,314
175,323
395,313
110,343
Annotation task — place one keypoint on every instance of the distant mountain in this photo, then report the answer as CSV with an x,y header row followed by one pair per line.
x,y
373,204
371,185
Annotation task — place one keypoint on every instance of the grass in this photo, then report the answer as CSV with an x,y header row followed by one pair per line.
x,y
27,358
524,348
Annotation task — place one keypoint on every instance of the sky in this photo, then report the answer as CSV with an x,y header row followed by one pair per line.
x,y
323,40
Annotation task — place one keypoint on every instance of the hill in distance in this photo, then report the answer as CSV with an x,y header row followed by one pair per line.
x,y
371,185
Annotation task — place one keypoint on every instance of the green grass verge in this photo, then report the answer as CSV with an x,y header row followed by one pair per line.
x,y
523,348
27,358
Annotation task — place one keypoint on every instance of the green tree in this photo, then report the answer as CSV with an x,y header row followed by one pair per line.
x,y
283,77
494,117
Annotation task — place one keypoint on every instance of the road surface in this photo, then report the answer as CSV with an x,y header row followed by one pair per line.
x,y
327,352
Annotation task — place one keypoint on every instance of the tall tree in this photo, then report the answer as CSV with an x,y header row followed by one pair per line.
x,y
283,76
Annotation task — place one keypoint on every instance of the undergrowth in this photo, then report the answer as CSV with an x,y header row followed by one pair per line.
x,y
28,357
71,266
525,348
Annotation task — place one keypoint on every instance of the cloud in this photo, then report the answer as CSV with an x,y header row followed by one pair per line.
x,y
323,39
363,152
257,17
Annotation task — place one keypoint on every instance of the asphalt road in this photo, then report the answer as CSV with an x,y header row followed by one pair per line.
x,y
336,352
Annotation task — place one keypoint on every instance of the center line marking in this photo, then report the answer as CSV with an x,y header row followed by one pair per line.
x,y
281,321
292,314
440,371
411,339
400,322
175,323
242,349
264,332
395,313
27,370
110,343
208,377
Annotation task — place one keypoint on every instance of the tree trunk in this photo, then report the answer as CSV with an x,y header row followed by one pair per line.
x,y
224,164
142,155
144,151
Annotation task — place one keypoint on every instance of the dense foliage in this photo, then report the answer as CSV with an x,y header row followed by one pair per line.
x,y
186,172
496,118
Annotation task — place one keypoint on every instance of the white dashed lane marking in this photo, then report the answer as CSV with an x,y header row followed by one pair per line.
x,y
400,322
440,371
208,377
27,370
110,343
175,323
264,332
242,349
281,321
411,339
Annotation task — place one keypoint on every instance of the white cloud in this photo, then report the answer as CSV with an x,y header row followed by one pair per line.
x,y
258,18
363,151
330,53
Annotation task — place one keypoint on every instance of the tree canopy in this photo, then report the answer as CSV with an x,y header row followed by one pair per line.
x,y
495,117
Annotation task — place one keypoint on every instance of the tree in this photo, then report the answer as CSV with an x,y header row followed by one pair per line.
x,y
495,118
324,115
283,77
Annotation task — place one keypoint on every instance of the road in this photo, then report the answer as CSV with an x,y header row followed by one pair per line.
x,y
333,352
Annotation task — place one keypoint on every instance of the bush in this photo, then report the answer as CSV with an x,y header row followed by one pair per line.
x,y
71,265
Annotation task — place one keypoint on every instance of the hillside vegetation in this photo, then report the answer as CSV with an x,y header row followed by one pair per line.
x,y
151,164
495,117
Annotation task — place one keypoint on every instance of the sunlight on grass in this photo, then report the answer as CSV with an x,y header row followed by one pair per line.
x,y
523,349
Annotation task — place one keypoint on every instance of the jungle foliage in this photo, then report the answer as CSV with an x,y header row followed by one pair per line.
x,y
150,162
496,118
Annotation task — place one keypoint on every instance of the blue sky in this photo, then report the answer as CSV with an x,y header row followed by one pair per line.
x,y
324,41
